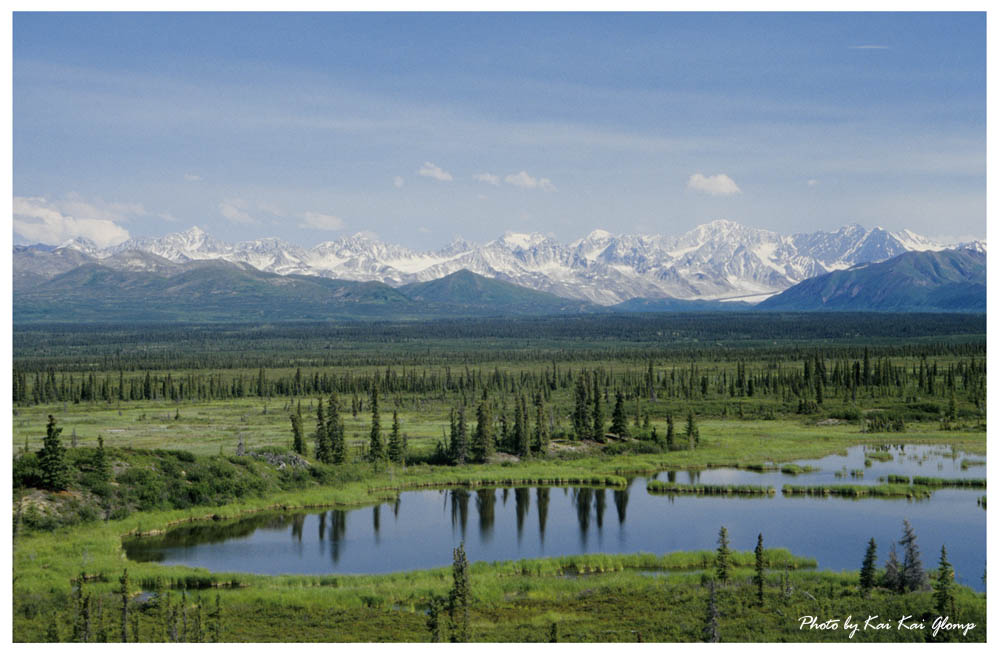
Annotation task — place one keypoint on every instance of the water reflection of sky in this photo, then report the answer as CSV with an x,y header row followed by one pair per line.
x,y
420,530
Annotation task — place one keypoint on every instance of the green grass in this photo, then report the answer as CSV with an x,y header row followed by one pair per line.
x,y
708,489
939,482
857,491
795,469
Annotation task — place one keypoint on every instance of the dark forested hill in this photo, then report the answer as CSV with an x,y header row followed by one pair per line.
x,y
946,281
472,291
144,288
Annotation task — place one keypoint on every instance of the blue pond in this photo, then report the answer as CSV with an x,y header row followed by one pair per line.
x,y
420,529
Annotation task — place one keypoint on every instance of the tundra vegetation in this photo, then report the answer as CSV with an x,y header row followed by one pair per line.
x,y
205,422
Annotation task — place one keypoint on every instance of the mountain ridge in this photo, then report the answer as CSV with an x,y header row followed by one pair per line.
x,y
947,280
718,260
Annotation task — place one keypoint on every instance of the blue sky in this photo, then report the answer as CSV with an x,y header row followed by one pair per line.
x,y
423,127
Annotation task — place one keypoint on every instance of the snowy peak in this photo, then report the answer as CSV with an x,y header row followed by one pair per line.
x,y
520,241
718,260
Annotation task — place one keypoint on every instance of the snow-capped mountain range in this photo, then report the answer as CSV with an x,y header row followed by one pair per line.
x,y
718,260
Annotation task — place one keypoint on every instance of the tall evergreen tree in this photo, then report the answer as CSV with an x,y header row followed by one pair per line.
x,y
723,564
691,431
459,598
598,413
462,440
376,450
322,441
891,578
944,587
298,440
123,590
482,441
434,618
867,576
759,567
520,431
912,575
581,416
619,423
395,450
335,434
541,444
524,436
670,432
101,465
52,459
711,629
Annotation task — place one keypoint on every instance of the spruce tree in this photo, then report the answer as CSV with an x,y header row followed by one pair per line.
x,y
458,599
691,431
101,465
944,587
581,419
711,629
460,438
722,557
598,413
482,442
759,567
335,432
298,440
867,577
524,439
541,444
124,591
670,432
52,459
891,578
395,450
376,452
322,441
619,423
434,618
912,575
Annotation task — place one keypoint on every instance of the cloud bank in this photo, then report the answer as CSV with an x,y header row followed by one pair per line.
x,y
524,180
40,221
720,184
324,221
434,172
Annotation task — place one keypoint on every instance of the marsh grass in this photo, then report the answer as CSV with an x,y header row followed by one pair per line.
x,y
708,489
859,491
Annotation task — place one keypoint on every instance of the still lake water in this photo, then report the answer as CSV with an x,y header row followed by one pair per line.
x,y
421,528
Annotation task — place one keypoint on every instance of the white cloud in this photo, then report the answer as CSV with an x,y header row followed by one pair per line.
x,y
368,234
397,181
812,182
488,178
325,221
434,172
168,217
524,180
40,221
720,184
191,177
234,214
423,230
97,209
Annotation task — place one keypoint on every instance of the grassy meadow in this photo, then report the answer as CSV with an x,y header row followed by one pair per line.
x,y
171,434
